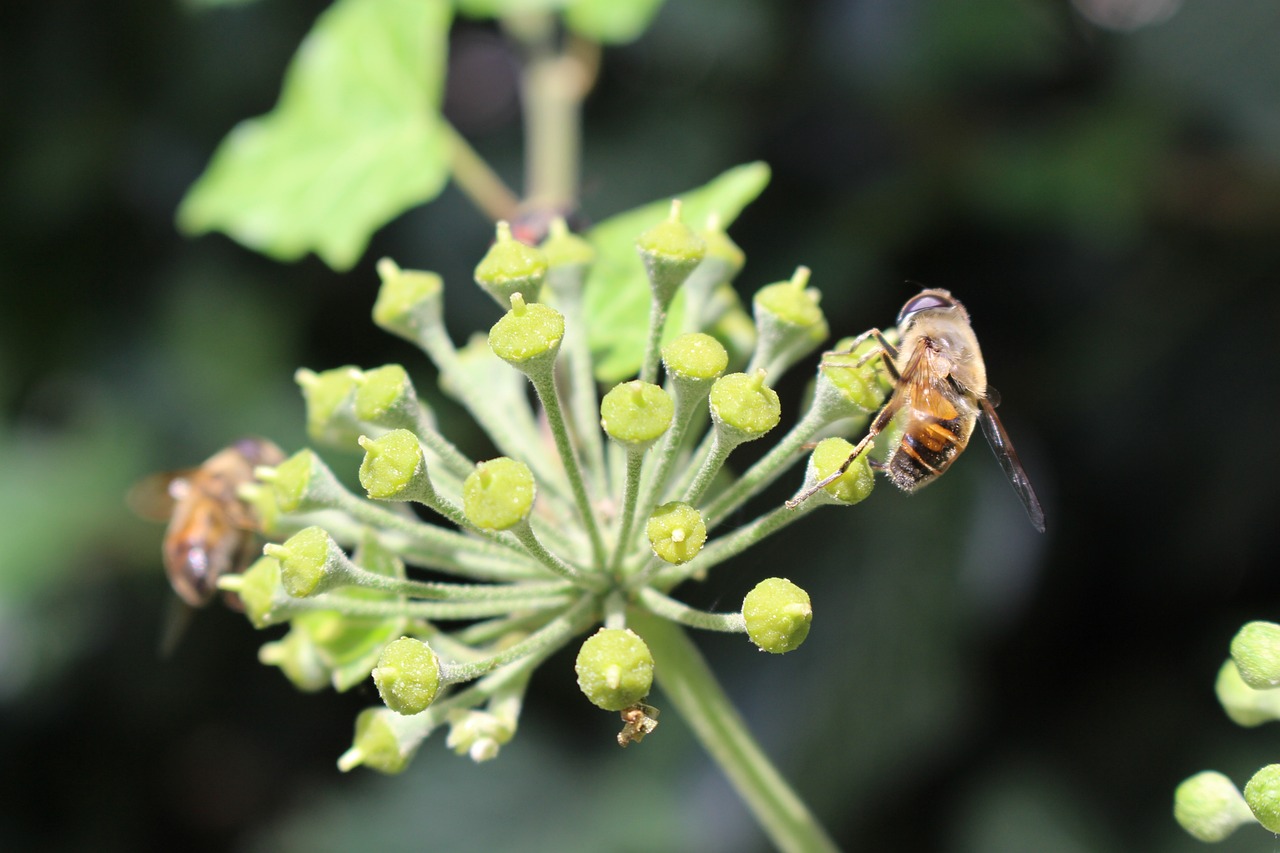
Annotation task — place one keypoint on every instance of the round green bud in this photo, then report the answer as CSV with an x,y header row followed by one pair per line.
x,y
742,403
328,395
498,494
258,588
393,465
376,744
615,668
676,532
1245,705
306,561
290,479
408,301
722,249
407,676
297,657
1256,651
563,248
695,356
382,391
857,481
866,384
778,614
671,251
528,333
1209,807
791,302
511,267
1262,793
636,413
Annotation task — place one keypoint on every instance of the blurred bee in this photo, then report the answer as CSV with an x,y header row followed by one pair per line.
x,y
940,391
211,532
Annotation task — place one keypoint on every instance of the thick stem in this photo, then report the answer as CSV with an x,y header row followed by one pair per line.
x,y
690,685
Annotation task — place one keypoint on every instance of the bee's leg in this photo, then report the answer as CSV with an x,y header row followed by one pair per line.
x,y
888,349
877,426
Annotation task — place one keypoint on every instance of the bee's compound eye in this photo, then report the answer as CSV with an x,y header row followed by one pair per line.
x,y
924,301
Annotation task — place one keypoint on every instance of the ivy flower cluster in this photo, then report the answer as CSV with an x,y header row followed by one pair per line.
x,y
598,509
1208,805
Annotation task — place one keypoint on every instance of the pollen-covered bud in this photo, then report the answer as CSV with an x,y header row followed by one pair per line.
x,y
528,336
778,614
1262,793
671,251
743,406
789,323
394,468
329,394
636,414
695,357
1245,705
498,494
408,301
860,377
615,668
296,656
310,562
676,532
1256,651
854,484
259,590
407,676
377,743
511,267
1209,807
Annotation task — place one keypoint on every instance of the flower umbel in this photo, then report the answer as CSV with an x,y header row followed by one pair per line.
x,y
583,529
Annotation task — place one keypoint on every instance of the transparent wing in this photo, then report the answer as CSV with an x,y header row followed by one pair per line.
x,y
1003,449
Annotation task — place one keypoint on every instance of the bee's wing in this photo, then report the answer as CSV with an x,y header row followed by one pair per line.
x,y
152,497
1003,449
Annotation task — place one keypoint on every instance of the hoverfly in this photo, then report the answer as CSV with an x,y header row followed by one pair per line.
x,y
211,532
940,391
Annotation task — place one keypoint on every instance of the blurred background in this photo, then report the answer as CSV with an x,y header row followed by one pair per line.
x,y
1098,180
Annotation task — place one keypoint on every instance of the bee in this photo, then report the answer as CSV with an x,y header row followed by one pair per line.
x,y
940,392
211,531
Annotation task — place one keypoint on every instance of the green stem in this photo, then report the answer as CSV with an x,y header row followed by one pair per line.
x,y
476,180
635,460
690,685
678,611
551,636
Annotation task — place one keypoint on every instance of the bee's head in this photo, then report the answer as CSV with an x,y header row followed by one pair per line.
x,y
927,300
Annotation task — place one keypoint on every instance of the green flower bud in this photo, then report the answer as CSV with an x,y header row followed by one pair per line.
x,y
329,394
615,668
791,302
394,468
297,657
528,336
866,384
498,494
744,406
857,481
636,413
1245,705
511,267
290,480
385,396
408,301
260,592
407,676
310,562
671,251
1256,651
676,532
1208,806
1262,793
696,357
377,743
563,248
721,249
778,614
478,734
262,503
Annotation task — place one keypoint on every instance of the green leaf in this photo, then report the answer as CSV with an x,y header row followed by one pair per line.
x,y
503,8
355,139
611,21
617,296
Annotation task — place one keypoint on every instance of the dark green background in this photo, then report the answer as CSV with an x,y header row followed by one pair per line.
x,y
1106,204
